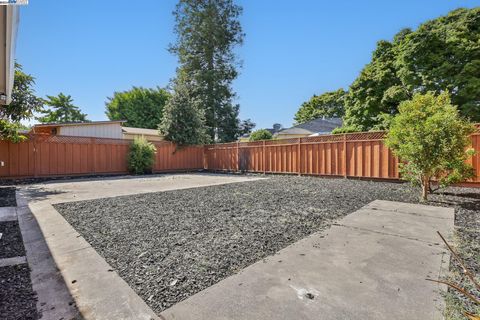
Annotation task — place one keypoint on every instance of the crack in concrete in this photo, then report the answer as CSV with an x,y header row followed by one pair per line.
x,y
389,234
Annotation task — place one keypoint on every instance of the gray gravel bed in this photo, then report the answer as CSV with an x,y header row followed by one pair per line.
x,y
170,245
7,197
11,242
17,299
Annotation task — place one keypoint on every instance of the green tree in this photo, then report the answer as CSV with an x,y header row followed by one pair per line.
x,y
62,110
444,55
261,134
207,33
328,104
140,107
183,121
246,127
441,55
431,140
23,106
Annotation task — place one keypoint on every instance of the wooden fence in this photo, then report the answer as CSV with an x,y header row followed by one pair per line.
x,y
348,155
45,156
361,155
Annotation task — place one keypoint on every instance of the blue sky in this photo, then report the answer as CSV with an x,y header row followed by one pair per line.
x,y
292,49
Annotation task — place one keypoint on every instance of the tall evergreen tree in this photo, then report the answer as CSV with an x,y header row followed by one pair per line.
x,y
62,110
183,121
207,33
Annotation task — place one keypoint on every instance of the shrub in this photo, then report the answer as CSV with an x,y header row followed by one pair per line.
x,y
431,141
261,134
141,156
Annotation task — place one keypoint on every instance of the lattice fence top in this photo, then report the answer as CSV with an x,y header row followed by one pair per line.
x,y
44,138
333,138
375,135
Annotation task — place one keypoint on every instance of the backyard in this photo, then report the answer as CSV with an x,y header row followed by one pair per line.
x,y
170,245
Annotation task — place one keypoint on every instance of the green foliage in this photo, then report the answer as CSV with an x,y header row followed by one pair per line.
x,y
441,55
9,131
329,105
261,134
141,156
207,33
62,110
431,139
246,127
24,104
140,107
183,121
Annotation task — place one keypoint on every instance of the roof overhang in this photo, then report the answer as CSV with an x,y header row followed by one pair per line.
x,y
91,123
9,18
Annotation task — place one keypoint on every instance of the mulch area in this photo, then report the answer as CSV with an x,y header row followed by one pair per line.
x,y
7,197
170,245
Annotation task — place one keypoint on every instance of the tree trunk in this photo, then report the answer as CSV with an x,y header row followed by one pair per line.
x,y
425,188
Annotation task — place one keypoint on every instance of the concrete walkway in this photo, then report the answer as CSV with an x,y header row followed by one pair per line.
x,y
71,279
370,265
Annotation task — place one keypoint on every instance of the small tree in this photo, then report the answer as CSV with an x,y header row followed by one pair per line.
x,y
431,140
260,134
183,121
141,156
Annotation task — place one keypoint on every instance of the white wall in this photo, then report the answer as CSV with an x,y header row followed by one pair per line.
x,y
107,130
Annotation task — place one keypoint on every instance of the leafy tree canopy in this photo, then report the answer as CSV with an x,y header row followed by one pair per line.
x,y
431,139
442,55
140,107
207,33
62,110
329,105
24,104
261,134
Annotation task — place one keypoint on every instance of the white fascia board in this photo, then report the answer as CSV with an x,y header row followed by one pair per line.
x,y
12,22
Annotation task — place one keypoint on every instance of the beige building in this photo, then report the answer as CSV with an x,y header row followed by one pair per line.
x,y
96,129
149,134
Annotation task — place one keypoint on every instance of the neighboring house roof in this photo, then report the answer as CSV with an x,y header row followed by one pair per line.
x,y
319,125
44,125
140,131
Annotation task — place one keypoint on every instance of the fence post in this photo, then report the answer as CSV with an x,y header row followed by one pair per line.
x,y
238,156
94,151
35,153
299,149
345,162
264,159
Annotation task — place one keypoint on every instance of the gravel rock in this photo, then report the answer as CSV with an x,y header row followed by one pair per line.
x,y
18,301
7,197
170,245
11,242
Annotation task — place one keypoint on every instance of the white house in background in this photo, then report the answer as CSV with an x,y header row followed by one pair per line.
x,y
9,19
96,129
